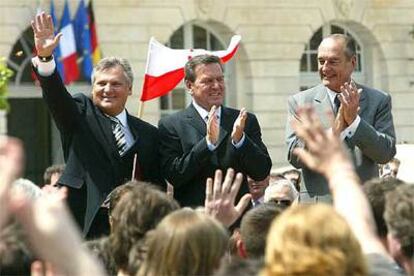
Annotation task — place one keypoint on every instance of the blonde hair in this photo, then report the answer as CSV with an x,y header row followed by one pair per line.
x,y
312,240
186,242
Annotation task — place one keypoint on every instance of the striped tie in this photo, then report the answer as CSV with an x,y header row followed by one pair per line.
x,y
119,135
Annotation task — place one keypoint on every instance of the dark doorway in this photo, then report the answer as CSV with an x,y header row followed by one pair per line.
x,y
29,120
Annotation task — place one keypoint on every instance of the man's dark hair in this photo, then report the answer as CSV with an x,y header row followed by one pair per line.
x,y
191,65
349,42
58,168
399,216
376,189
254,228
138,211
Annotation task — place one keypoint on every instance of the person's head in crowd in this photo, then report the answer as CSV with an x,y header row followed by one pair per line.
x,y
312,240
233,240
376,189
336,60
30,189
101,250
203,76
254,228
294,176
391,168
186,242
137,212
281,192
52,174
399,216
116,195
257,189
276,176
239,266
112,77
15,256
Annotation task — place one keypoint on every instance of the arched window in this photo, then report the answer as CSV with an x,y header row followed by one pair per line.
x,y
20,60
309,60
186,37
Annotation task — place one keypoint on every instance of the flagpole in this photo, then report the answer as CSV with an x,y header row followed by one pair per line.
x,y
141,103
140,109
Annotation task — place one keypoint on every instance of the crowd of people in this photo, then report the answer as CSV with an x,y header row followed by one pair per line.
x,y
108,211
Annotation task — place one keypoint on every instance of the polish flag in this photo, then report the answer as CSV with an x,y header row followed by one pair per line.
x,y
67,47
165,66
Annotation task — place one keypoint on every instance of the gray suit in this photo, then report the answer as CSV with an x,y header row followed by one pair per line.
x,y
373,141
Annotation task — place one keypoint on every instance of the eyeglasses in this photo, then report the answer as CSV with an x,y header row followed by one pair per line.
x,y
281,202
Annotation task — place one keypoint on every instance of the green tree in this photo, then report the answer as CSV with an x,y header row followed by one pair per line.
x,y
5,75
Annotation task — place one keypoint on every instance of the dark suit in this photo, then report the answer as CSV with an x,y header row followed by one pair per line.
x,y
187,162
93,164
373,141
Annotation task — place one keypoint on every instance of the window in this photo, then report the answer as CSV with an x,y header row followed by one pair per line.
x,y
20,60
309,60
186,37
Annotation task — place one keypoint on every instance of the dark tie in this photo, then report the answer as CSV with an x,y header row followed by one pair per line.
x,y
119,135
337,103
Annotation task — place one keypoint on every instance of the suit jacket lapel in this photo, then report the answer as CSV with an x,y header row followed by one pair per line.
x,y
101,128
363,104
322,105
194,119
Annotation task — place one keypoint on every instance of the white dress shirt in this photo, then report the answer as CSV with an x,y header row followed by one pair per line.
x,y
204,114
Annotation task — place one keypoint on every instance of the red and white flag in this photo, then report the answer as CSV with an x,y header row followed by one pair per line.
x,y
165,66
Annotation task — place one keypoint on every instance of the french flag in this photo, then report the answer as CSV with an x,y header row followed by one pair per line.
x,y
67,47
165,66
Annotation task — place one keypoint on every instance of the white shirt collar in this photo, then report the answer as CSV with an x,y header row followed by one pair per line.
x,y
332,94
204,113
122,117
257,201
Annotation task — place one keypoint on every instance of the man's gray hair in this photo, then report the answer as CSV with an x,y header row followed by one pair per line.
x,y
349,43
110,62
277,186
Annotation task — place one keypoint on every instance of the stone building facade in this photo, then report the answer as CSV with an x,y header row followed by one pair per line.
x,y
275,60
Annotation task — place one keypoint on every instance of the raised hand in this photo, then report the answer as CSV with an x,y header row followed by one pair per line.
x,y
213,127
221,197
349,101
44,35
339,123
324,150
238,127
11,166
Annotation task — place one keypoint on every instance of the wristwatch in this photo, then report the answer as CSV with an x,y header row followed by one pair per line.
x,y
46,59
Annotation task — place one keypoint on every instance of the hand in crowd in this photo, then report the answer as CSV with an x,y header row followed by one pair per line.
x,y
11,166
44,35
39,268
324,151
349,101
221,197
53,233
238,127
213,127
